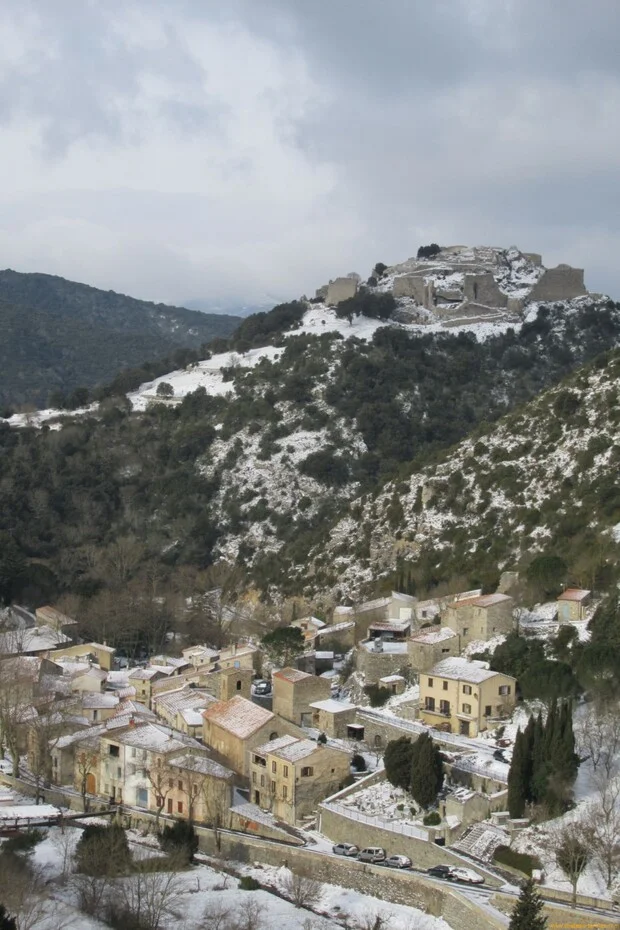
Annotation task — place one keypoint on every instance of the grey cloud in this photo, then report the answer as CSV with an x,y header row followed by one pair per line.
x,y
453,120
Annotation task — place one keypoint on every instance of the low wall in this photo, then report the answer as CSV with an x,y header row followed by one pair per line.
x,y
55,796
387,885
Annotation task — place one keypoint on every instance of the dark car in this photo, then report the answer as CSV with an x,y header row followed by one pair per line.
x,y
499,755
262,687
440,871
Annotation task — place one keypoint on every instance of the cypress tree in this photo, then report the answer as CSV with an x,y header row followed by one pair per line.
x,y
527,913
540,769
426,771
517,778
398,761
551,727
528,758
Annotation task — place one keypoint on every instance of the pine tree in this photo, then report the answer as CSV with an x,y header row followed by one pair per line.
x,y
517,778
527,913
426,771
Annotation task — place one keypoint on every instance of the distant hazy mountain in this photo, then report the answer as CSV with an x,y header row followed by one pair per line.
x,y
235,307
58,334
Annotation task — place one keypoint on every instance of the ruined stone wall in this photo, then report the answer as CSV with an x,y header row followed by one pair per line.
x,y
340,289
482,289
561,283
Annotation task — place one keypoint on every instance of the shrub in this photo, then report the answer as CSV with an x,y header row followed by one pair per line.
x,y
322,739
180,838
358,762
377,695
428,251
247,883
522,862
23,842
432,819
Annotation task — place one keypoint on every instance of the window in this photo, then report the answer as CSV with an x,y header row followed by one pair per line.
x,y
504,689
466,689
465,630
430,682
262,781
180,807
273,787
253,778
307,771
170,783
119,771
114,751
445,685
180,784
444,708
445,650
286,771
429,703
487,710
274,767
133,752
273,735
467,708
238,685
284,792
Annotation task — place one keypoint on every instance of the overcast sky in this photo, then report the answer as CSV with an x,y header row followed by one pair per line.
x,y
178,149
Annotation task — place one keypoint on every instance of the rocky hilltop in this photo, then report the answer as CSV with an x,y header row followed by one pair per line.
x,y
464,285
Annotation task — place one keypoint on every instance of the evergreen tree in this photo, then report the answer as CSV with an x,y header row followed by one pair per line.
x,y
566,762
517,778
6,921
528,757
397,760
426,771
527,913
540,768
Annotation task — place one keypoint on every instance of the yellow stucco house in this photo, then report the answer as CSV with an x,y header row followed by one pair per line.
x,y
462,696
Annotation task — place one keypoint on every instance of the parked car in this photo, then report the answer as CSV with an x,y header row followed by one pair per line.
x,y
499,755
398,862
262,687
440,871
467,876
372,854
345,849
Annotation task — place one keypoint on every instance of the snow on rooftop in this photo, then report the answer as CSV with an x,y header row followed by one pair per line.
x,y
155,737
435,635
201,764
92,700
238,716
336,628
25,812
462,670
391,679
296,751
333,707
275,744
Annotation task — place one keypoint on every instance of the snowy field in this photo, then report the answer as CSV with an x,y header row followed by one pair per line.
x,y
202,895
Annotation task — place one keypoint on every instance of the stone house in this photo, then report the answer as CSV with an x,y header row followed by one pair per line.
x,y
239,655
430,646
462,697
49,616
309,627
88,679
233,728
75,759
395,684
142,679
182,708
193,787
129,760
339,637
479,617
95,653
377,658
333,717
573,604
290,777
98,707
381,610
293,693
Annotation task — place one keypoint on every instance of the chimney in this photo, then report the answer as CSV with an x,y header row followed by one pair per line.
x,y
132,722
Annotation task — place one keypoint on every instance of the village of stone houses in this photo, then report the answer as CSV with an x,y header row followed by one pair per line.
x,y
365,770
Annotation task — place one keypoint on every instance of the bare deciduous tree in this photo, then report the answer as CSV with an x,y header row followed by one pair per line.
x,y
572,848
86,763
301,890
250,916
598,738
148,897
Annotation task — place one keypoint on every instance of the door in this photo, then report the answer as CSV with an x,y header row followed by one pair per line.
x,y
169,805
464,728
91,784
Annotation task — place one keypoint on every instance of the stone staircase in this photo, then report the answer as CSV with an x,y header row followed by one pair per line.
x,y
480,841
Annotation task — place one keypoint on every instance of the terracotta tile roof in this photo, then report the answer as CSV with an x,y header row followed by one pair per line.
x,y
292,674
238,716
574,594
